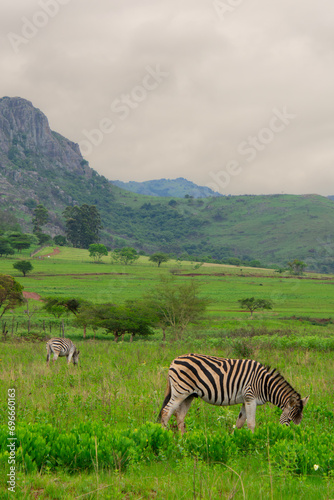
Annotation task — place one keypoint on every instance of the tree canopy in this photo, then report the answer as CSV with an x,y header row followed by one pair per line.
x,y
126,255
10,293
5,247
58,306
159,258
83,225
24,266
296,267
20,241
176,304
130,318
252,304
97,251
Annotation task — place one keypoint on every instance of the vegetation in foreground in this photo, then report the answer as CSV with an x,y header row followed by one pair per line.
x,y
90,431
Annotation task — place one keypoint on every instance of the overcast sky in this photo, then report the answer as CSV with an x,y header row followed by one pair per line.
x,y
235,95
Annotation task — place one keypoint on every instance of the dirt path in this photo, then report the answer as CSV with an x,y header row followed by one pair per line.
x,y
56,251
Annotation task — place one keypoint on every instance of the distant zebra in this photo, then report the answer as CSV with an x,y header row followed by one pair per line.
x,y
62,347
223,382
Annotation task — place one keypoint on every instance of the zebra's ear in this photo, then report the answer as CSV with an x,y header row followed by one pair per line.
x,y
305,401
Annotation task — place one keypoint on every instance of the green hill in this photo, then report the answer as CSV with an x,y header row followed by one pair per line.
x,y
177,188
38,165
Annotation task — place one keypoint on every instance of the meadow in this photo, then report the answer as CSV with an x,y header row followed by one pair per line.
x,y
90,431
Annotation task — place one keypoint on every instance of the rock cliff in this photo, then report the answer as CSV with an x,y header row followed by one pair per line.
x,y
38,165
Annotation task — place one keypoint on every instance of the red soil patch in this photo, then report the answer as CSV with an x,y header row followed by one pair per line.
x,y
31,295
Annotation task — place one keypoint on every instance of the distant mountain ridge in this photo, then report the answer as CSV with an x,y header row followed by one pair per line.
x,y
175,188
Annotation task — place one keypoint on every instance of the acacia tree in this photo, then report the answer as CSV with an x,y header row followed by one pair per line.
x,y
24,266
159,258
20,241
252,304
10,293
61,305
176,304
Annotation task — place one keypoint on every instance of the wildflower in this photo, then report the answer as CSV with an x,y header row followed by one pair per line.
x,y
315,467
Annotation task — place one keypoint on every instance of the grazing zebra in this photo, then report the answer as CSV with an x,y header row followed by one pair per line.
x,y
223,382
62,347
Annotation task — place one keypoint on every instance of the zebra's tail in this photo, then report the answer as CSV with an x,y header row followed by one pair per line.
x,y
167,398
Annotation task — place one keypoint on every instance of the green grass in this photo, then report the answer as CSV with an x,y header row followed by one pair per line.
x,y
119,388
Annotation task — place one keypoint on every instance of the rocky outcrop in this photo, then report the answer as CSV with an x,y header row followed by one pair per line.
x,y
25,131
38,165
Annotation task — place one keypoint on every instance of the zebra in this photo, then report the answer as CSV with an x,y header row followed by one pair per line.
x,y
62,347
224,382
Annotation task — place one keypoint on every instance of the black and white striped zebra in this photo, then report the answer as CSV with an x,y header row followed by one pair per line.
x,y
223,382
62,347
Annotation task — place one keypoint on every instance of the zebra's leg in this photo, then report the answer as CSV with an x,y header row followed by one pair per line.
x,y
69,356
170,408
48,355
250,407
55,356
241,418
181,412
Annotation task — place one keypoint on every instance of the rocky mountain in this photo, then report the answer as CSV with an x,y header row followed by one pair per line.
x,y
175,188
38,165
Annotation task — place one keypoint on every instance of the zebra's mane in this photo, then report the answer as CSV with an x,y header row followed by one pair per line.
x,y
295,398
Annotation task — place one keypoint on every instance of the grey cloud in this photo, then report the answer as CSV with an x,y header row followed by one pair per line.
x,y
225,76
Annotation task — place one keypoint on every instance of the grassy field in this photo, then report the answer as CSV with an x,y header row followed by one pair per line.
x,y
90,431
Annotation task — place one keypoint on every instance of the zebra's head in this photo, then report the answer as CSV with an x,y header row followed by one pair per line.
x,y
293,411
75,357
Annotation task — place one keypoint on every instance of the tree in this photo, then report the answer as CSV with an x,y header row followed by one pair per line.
x,y
126,255
60,240
159,258
43,238
85,316
5,247
97,250
176,305
24,266
82,225
58,306
252,304
10,293
19,241
297,267
41,217
120,319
